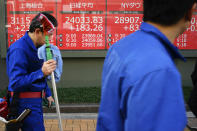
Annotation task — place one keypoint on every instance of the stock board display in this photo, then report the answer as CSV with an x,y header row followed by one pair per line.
x,y
82,24
21,12
124,17
188,40
87,24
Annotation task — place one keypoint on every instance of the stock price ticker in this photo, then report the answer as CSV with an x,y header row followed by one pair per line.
x,y
87,25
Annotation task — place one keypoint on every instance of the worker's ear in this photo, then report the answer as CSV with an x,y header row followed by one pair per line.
x,y
188,16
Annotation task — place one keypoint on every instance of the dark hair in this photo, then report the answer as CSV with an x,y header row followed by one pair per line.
x,y
166,12
35,23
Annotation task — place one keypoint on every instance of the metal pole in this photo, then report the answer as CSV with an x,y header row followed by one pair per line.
x,y
56,100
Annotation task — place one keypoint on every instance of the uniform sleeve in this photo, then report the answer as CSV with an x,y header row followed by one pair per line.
x,y
19,77
156,102
48,92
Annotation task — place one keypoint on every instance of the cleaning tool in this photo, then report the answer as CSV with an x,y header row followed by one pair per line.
x,y
56,56
48,29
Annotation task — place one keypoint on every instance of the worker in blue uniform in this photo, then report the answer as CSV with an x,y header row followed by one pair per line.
x,y
27,73
141,86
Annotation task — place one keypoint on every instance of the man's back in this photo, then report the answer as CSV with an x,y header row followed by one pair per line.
x,y
135,75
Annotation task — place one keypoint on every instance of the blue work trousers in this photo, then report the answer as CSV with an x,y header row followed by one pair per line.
x,y
34,121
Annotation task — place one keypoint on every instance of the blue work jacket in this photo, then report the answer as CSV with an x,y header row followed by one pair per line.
x,y
24,67
141,86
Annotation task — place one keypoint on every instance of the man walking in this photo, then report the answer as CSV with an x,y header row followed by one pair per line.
x,y
141,86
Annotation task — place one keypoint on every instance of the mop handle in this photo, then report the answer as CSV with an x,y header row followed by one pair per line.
x,y
56,100
48,48
49,56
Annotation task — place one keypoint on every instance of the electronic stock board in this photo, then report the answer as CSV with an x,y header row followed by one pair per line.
x,y
86,24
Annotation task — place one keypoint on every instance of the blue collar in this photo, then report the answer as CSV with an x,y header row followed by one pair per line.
x,y
29,42
173,50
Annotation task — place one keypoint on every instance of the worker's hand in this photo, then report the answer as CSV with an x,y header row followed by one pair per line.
x,y
50,100
48,67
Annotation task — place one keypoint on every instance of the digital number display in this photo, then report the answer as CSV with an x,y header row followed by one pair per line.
x,y
87,25
121,25
124,17
188,40
82,25
21,12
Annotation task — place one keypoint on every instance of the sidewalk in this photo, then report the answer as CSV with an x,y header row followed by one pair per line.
x,y
83,121
71,121
68,125
71,125
87,122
